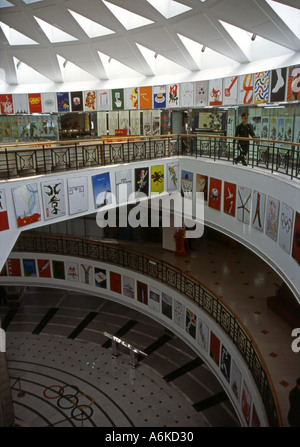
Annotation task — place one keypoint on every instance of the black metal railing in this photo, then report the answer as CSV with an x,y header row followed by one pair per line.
x,y
173,277
50,157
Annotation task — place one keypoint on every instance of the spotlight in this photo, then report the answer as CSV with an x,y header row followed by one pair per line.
x,y
65,63
203,48
253,37
109,60
155,55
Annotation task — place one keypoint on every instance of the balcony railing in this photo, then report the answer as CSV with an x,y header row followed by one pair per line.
x,y
50,157
175,278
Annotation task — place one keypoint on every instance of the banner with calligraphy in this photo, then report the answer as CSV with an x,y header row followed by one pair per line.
x,y
53,199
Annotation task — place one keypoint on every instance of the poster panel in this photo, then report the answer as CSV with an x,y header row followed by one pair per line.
x,y
230,91
86,274
167,305
159,96
14,267
58,269
63,102
35,103
285,227
104,99
20,102
49,102
44,268
141,181
6,104
278,85
115,282
131,98
215,193
215,93
272,218
27,204
203,335
102,189
246,403
202,185
128,286
154,299
77,101
53,194
142,292
172,95
258,210
100,277
186,182
90,101
187,94
225,363
245,93
78,194
179,314
201,93
214,349
157,179
123,181
229,203
293,84
244,204
72,271
261,87
296,239
4,225
172,176
190,323
236,381
29,268
117,99
146,97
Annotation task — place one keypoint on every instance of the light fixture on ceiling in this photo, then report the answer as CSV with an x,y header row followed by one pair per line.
x,y
18,64
203,49
253,37
65,63
155,55
109,60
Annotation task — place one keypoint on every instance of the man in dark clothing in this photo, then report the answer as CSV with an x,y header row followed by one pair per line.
x,y
294,412
243,130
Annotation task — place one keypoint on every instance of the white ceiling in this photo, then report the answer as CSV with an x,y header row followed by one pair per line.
x,y
71,43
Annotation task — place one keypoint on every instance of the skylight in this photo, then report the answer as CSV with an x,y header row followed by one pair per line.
x,y
27,74
71,72
128,19
91,28
169,8
55,35
28,2
115,69
159,64
14,37
290,15
5,4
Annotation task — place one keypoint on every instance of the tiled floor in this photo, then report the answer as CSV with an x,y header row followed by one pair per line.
x,y
70,378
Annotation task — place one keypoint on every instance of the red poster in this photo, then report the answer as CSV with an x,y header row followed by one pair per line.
x,y
6,104
146,97
14,267
115,282
142,292
296,239
35,103
214,348
215,191
3,221
44,268
229,198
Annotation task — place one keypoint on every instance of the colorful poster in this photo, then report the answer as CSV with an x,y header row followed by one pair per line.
x,y
77,101
215,92
157,179
77,194
190,323
123,185
29,268
230,91
117,99
215,193
142,292
131,98
296,239
115,282
104,100
202,185
293,87
203,335
159,96
258,210
49,103
146,97
261,87
246,89
20,102
58,268
214,350
244,204
167,305
173,175
14,267
187,94
285,227
128,287
90,101
35,102
236,381
6,104
201,93
27,204
246,403
53,199
141,181
179,314
44,268
86,274
272,218
229,198
100,277
225,363
102,189
4,225
172,95
72,271
63,102
186,182
278,85
154,299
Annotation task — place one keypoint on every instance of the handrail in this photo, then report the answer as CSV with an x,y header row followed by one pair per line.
x,y
177,279
46,157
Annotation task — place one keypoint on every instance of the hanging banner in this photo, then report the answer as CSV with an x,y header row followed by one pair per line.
x,y
117,96
6,104
278,84
104,100
293,88
63,102
49,104
187,94
90,101
20,102
261,87
245,89
77,101
201,93
172,95
159,96
3,212
131,98
35,103
230,91
145,97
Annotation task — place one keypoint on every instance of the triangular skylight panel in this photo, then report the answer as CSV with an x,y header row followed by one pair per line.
x,y
14,37
27,74
290,15
55,35
91,28
28,2
115,69
169,8
5,4
159,64
129,19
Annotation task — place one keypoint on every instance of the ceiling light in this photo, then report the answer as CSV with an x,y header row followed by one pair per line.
x,y
155,55
253,37
203,48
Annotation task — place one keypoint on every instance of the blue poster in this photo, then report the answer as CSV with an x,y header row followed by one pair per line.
x,y
63,102
102,189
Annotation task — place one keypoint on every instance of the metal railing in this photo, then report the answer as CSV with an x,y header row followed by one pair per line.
x,y
50,157
173,277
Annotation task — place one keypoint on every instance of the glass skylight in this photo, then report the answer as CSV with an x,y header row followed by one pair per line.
x,y
127,18
14,37
290,15
169,8
91,28
32,1
5,4
55,35
27,75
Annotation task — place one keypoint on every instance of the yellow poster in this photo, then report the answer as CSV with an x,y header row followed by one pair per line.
x,y
157,179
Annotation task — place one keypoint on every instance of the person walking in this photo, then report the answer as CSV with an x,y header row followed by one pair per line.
x,y
243,130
